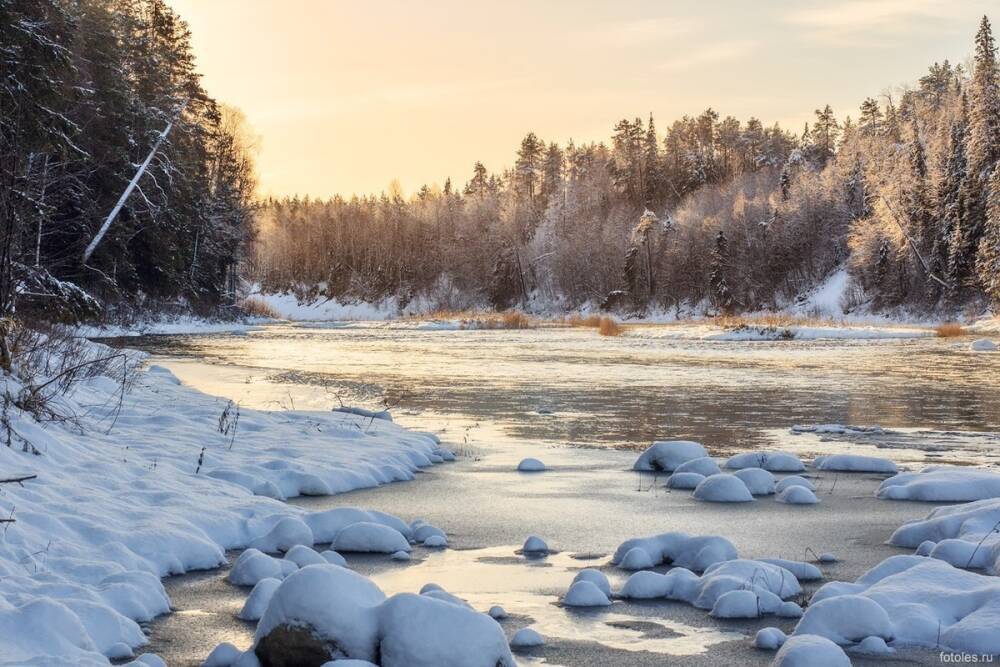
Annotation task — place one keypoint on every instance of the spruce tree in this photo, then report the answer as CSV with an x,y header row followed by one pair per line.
x,y
988,260
718,281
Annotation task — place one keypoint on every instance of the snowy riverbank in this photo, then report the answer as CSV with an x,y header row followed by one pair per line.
x,y
115,500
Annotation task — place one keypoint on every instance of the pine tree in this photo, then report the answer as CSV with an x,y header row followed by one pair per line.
x,y
479,185
529,158
951,209
988,259
824,135
718,280
870,120
653,168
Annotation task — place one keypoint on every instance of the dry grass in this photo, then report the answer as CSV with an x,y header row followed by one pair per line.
x,y
949,330
590,321
773,320
511,319
255,307
608,327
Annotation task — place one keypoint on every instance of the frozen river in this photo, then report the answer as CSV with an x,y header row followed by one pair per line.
x,y
583,404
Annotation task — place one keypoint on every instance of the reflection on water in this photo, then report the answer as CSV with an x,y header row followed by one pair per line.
x,y
482,577
571,386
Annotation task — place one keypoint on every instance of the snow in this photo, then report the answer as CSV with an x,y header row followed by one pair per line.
x,y
421,531
302,555
338,605
684,480
164,492
585,593
223,655
769,639
526,638
497,612
332,557
837,429
367,537
983,345
797,495
855,463
793,480
810,651
942,484
680,550
759,481
530,465
535,546
258,599
798,332
768,460
646,585
326,524
723,489
742,603
923,602
400,556
666,455
637,558
434,542
595,577
802,571
704,466
181,325
964,535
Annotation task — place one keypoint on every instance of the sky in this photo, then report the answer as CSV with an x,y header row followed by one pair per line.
x,y
348,96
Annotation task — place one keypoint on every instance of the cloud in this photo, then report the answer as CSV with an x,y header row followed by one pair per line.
x,y
642,31
709,54
848,21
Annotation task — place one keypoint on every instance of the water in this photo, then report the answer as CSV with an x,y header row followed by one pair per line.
x,y
583,403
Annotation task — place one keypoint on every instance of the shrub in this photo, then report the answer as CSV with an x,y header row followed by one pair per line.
x,y
949,330
608,327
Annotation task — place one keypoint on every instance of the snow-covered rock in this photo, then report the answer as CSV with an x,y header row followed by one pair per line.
x,y
769,639
766,460
286,533
963,535
637,558
435,542
680,550
810,651
665,456
365,537
771,582
326,524
421,530
926,602
855,463
585,594
334,558
526,638
802,571
983,345
595,577
223,655
530,465
302,555
401,556
942,484
497,612
684,480
252,566
535,546
872,646
743,603
258,599
723,489
760,482
793,480
797,495
704,465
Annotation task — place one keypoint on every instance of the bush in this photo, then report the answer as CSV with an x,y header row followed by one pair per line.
x,y
608,327
949,330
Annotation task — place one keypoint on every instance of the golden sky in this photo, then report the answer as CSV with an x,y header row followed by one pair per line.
x,y
349,95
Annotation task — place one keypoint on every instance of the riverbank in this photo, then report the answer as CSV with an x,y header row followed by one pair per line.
x,y
126,483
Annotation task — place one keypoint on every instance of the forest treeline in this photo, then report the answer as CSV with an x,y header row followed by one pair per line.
x,y
87,88
715,215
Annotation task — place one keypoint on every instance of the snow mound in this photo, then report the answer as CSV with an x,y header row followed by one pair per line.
x,y
759,481
326,524
695,553
666,455
530,465
767,460
400,556
585,594
793,480
252,566
846,619
769,639
941,484
302,555
802,571
810,651
684,480
497,612
703,465
434,542
339,607
258,599
223,655
535,546
983,345
930,604
723,489
421,530
595,577
646,585
770,582
420,631
837,429
332,557
797,495
637,558
855,463
286,533
742,603
367,537
526,638
963,535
